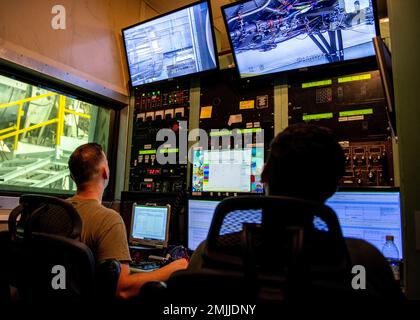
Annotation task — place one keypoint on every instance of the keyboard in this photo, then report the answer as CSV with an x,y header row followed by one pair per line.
x,y
146,265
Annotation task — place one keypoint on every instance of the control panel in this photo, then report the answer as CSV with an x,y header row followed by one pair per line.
x,y
368,164
238,117
354,108
228,103
161,107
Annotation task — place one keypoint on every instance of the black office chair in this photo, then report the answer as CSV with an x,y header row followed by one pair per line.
x,y
267,249
277,244
46,235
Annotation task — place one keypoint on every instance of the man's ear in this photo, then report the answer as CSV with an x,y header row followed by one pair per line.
x,y
105,173
264,179
264,174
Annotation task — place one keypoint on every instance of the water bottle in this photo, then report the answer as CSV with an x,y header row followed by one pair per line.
x,y
390,251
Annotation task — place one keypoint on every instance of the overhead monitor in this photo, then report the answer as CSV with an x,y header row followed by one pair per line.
x,y
274,36
150,225
228,170
176,44
369,215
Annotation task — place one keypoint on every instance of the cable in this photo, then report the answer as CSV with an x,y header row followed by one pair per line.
x,y
246,14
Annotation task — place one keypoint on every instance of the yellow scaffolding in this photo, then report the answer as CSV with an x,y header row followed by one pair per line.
x,y
16,131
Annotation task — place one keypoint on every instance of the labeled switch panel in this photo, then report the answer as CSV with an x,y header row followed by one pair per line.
x,y
368,164
160,107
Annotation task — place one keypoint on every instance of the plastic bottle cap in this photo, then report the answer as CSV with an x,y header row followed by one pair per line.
x,y
389,238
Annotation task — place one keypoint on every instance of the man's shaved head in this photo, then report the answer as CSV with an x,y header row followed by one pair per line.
x,y
85,163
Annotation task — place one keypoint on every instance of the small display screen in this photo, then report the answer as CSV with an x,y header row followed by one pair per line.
x,y
153,171
149,223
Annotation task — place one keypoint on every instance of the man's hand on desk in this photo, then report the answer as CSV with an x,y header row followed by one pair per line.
x,y
179,264
130,284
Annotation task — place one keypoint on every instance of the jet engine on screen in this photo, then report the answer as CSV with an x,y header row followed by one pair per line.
x,y
337,28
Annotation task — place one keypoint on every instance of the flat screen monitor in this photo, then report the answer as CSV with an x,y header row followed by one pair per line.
x,y
369,215
150,225
200,216
176,44
274,36
228,170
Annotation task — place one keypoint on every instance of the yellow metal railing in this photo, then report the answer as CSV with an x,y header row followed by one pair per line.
x,y
41,96
7,129
16,131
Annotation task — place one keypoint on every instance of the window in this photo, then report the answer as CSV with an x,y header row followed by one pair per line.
x,y
39,129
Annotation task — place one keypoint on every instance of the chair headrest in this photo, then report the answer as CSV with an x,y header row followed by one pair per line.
x,y
45,214
276,214
281,210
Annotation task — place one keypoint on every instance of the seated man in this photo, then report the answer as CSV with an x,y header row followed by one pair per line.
x,y
103,229
307,162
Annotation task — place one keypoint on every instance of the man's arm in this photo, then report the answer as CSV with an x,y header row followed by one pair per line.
x,y
129,284
112,244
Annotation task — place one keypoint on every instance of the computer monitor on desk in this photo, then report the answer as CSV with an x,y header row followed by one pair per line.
x,y
369,215
200,216
150,226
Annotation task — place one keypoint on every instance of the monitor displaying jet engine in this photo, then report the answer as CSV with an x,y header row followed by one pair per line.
x,y
270,36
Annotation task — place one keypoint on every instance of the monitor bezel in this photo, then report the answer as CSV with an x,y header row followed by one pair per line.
x,y
150,243
318,67
182,77
384,60
369,189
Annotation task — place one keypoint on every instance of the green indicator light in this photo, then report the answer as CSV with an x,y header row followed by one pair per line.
x,y
153,151
360,77
143,95
220,133
253,130
355,112
168,150
316,84
231,132
317,116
